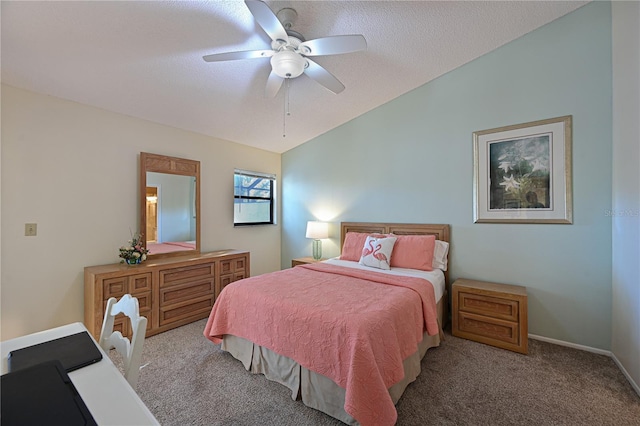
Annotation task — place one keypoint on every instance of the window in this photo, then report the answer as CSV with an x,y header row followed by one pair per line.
x,y
253,195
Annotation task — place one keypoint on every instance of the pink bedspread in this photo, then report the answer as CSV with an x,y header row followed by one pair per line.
x,y
353,326
170,247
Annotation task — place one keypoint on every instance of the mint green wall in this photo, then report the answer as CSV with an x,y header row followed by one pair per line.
x,y
410,160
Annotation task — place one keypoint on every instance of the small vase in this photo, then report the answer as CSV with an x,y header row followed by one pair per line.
x,y
132,261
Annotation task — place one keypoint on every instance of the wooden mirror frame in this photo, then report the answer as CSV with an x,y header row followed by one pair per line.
x,y
175,166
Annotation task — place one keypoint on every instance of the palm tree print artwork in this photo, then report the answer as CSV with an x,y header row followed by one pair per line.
x,y
519,173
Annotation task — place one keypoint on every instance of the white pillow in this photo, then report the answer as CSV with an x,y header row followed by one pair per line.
x,y
440,255
377,252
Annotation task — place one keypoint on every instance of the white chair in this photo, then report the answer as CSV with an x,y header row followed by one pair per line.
x,y
130,350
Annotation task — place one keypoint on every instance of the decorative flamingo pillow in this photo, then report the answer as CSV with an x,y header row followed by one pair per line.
x,y
377,252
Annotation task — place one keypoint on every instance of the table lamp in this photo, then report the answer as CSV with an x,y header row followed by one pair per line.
x,y
317,231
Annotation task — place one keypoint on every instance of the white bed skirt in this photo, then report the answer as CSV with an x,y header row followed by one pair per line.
x,y
315,390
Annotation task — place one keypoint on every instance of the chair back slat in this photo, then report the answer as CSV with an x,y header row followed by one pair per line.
x,y
130,350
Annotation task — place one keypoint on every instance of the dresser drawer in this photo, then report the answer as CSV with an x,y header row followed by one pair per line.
x,y
115,287
233,265
119,286
195,308
494,307
122,323
139,283
144,301
178,293
175,276
228,279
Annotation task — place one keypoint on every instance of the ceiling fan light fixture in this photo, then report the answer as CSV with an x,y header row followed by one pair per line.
x,y
290,51
288,64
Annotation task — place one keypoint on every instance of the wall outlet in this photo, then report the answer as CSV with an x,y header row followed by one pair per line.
x,y
30,229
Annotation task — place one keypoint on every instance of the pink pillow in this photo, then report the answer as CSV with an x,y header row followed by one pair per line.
x,y
414,252
353,245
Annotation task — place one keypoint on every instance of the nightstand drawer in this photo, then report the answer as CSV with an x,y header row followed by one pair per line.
x,y
490,313
489,328
491,306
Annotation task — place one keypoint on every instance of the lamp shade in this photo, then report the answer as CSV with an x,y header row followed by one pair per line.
x,y
317,230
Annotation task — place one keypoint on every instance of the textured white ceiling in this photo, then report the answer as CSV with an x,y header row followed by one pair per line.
x,y
144,59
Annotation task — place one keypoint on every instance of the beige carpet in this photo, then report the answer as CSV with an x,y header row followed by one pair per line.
x,y
188,380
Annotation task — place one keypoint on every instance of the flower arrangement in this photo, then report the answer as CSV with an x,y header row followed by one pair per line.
x,y
134,252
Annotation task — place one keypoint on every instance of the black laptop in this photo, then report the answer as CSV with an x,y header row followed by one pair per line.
x,y
42,394
73,351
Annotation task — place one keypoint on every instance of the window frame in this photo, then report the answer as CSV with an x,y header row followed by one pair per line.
x,y
271,199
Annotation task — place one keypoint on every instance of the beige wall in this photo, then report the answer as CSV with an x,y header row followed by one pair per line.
x,y
73,170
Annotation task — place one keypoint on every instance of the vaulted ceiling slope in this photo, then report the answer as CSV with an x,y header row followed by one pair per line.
x,y
145,58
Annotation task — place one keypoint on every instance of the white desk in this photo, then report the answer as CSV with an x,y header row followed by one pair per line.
x,y
105,391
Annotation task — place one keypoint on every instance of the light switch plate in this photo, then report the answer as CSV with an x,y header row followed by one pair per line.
x,y
30,229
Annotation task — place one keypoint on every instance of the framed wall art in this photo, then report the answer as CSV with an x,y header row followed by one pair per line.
x,y
522,173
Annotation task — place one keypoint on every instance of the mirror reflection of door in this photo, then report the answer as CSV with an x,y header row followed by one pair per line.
x,y
152,214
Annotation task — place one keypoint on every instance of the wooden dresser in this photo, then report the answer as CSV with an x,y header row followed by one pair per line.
x,y
490,313
171,292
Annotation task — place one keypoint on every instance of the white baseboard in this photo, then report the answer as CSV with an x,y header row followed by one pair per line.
x,y
634,385
570,345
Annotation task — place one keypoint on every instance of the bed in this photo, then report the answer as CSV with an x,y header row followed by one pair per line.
x,y
344,337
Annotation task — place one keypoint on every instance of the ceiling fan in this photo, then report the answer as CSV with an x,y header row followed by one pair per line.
x,y
290,51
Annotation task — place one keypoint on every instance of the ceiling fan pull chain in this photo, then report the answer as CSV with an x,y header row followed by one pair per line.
x,y
286,108
287,94
284,114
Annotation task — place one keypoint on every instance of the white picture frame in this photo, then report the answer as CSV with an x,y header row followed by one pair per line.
x,y
522,173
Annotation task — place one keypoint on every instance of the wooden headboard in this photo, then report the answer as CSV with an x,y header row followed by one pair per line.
x,y
441,231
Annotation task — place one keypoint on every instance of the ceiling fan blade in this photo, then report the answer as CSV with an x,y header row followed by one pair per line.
x,y
273,85
323,77
333,45
267,20
232,56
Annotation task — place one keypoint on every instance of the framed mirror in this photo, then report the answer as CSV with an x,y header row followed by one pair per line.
x,y
169,205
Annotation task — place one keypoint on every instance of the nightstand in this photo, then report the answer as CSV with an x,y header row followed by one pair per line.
x,y
490,313
304,261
